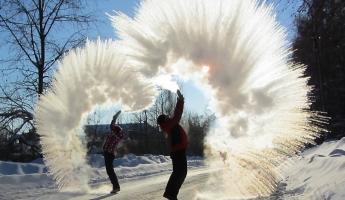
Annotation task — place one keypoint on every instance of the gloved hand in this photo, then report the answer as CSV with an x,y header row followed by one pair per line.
x,y
179,95
116,115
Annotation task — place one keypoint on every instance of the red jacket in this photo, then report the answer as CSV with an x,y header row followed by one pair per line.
x,y
176,136
111,142
114,138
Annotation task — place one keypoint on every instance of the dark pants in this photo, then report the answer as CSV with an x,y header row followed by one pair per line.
x,y
109,158
178,175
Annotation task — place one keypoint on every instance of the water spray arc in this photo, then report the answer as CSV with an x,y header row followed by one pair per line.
x,y
259,96
94,75
238,52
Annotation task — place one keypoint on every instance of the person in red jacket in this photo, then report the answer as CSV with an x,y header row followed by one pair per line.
x,y
109,148
177,141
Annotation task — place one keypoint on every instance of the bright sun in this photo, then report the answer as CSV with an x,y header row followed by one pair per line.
x,y
205,69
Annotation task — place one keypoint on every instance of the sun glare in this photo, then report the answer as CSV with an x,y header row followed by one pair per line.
x,y
205,69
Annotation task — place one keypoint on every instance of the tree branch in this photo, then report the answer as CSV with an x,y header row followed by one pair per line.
x,y
17,40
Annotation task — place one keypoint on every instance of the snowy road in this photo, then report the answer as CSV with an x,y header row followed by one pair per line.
x,y
142,188
148,188
153,188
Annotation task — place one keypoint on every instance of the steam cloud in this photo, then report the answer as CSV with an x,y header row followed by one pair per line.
x,y
239,55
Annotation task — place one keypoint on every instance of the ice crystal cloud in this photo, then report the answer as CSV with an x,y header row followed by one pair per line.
x,y
239,55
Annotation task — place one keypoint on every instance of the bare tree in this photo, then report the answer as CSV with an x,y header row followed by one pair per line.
x,y
35,34
165,104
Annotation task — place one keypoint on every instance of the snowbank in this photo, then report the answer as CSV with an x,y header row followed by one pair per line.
x,y
130,160
319,173
14,176
132,166
34,174
13,168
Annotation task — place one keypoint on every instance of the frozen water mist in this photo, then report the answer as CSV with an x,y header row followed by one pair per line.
x,y
94,75
259,96
237,52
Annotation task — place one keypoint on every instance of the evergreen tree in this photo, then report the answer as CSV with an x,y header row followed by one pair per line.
x,y
320,44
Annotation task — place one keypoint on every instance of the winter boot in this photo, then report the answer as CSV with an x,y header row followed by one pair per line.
x,y
115,190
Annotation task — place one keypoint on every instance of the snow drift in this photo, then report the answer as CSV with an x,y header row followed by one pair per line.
x,y
233,48
318,173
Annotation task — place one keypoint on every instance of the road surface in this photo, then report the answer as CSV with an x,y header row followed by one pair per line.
x,y
142,188
145,188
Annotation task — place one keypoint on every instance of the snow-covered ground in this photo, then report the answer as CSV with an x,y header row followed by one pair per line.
x,y
318,173
33,176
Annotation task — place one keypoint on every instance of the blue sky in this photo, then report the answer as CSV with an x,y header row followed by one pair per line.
x,y
284,14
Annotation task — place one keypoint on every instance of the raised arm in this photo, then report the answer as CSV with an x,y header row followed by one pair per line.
x,y
115,117
113,121
178,108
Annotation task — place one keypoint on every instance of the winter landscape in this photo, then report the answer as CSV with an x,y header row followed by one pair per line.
x,y
173,99
318,173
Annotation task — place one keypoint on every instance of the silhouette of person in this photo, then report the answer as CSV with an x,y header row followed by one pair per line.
x,y
109,148
177,141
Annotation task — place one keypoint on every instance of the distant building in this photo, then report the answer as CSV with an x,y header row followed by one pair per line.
x,y
140,138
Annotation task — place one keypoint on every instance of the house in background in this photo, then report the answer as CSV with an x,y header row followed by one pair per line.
x,y
140,138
